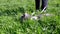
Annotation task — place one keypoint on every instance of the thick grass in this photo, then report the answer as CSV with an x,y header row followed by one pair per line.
x,y
11,11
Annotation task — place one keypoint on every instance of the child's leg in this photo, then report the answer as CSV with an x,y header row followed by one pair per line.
x,y
44,4
37,4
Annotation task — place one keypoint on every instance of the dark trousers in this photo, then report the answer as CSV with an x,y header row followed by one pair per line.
x,y
44,4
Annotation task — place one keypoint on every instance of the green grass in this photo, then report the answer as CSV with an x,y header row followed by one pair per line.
x,y
11,11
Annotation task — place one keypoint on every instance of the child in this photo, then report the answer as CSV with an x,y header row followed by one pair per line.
x,y
37,4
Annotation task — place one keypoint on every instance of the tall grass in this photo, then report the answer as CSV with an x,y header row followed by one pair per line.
x,y
11,11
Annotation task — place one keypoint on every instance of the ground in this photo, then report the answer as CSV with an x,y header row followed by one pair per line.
x,y
11,11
